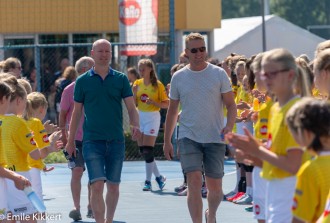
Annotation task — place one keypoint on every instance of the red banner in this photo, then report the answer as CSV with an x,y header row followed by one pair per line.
x,y
138,24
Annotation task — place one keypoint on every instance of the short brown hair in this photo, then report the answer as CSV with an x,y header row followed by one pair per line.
x,y
193,36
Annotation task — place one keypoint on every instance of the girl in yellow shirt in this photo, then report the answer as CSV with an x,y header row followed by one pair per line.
x,y
281,156
36,108
309,123
18,143
150,96
322,83
19,181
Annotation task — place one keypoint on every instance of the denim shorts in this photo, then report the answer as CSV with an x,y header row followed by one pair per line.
x,y
204,157
104,160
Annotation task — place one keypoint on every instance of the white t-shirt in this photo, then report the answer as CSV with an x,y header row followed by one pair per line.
x,y
200,96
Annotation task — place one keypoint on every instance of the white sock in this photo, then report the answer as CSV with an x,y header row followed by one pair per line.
x,y
149,170
155,170
238,178
249,191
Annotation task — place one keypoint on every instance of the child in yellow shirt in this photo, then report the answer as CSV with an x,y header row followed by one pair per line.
x,y
281,156
36,108
309,123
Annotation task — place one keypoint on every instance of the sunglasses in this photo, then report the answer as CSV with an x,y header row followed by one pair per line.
x,y
200,49
271,75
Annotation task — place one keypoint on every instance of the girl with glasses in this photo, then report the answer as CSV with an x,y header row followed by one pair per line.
x,y
281,156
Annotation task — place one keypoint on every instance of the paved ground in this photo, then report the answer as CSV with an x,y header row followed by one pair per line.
x,y
136,206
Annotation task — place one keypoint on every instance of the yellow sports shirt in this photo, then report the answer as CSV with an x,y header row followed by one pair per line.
x,y
245,96
279,140
41,139
312,189
18,142
261,126
2,151
144,92
326,213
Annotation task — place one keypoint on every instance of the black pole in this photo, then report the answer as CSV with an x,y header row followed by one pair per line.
x,y
263,26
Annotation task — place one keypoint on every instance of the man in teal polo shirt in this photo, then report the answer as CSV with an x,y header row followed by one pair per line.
x,y
100,92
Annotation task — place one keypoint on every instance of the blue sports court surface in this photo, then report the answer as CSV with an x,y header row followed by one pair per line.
x,y
135,205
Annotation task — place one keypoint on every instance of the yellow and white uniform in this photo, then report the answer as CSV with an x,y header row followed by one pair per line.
x,y
312,188
259,184
149,113
42,141
279,140
18,143
280,183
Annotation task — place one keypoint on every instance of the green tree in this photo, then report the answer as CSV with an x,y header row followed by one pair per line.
x,y
240,8
304,13
299,12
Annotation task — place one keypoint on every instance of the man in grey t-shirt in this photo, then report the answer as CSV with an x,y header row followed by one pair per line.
x,y
202,89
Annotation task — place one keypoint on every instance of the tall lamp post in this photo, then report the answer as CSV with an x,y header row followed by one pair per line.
x,y
263,26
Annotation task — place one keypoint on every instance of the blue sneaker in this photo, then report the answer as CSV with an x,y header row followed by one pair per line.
x,y
161,181
147,186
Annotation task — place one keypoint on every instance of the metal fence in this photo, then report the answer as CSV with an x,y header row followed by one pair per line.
x,y
41,64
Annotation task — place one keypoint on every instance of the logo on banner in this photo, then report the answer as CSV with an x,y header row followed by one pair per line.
x,y
129,12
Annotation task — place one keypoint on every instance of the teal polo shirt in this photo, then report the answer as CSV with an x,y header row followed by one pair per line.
x,y
102,101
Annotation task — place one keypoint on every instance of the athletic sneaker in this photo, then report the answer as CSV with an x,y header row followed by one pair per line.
x,y
147,186
161,181
183,193
249,209
245,199
230,194
180,188
75,215
237,195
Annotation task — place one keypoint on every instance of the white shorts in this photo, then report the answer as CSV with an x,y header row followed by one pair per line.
x,y
4,199
259,194
149,123
17,200
279,200
239,127
35,175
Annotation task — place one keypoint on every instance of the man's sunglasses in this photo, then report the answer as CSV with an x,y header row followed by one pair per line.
x,y
200,49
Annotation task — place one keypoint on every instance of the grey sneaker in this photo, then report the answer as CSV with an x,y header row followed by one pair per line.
x,y
90,214
75,215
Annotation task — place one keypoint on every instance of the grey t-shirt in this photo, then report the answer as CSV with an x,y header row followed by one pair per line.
x,y
199,93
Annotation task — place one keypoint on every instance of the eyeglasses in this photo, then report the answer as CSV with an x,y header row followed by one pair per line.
x,y
273,74
200,49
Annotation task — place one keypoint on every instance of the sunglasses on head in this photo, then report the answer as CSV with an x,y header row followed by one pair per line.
x,y
200,49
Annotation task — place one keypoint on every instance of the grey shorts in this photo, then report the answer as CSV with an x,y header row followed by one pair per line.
x,y
207,157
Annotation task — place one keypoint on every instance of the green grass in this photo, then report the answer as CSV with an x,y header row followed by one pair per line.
x,y
57,157
132,150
